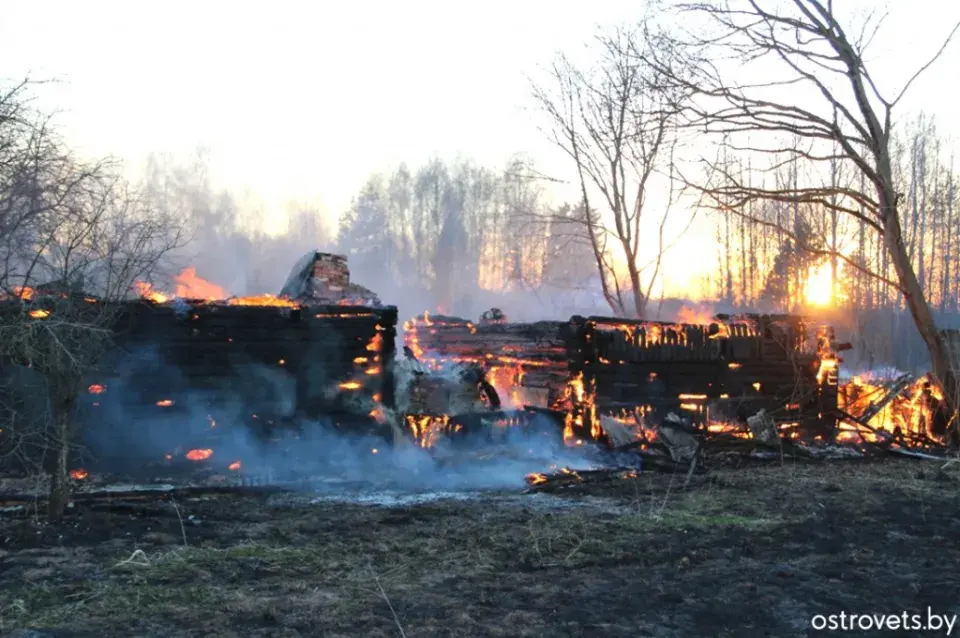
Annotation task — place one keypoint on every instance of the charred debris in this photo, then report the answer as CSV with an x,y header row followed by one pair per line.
x,y
728,389
640,394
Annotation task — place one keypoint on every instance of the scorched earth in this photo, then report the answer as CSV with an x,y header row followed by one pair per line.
x,y
739,552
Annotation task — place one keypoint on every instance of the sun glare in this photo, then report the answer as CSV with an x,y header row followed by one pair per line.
x,y
819,285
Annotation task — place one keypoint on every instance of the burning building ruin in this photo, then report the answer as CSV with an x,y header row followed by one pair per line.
x,y
325,350
599,369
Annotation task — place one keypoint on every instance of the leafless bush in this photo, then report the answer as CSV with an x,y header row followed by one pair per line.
x,y
74,236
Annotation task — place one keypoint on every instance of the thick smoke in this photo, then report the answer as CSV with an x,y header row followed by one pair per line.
x,y
128,434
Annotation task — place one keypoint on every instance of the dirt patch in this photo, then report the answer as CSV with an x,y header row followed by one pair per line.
x,y
745,552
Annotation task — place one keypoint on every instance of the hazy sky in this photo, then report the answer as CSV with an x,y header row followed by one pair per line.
x,y
296,99
303,100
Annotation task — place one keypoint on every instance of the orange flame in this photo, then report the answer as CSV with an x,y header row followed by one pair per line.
x,y
235,466
192,286
39,313
697,316
97,388
911,414
165,403
189,285
146,291
200,454
78,474
426,429
536,478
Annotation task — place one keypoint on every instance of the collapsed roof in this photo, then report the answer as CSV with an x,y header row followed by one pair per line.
x,y
324,278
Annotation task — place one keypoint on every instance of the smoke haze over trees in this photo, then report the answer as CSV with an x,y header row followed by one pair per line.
x,y
457,237
454,235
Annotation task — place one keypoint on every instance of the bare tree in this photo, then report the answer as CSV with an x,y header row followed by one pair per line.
x,y
821,92
77,237
615,122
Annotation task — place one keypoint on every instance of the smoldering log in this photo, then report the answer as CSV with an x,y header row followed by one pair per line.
x,y
570,478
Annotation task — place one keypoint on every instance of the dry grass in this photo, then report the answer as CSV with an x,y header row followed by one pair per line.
x,y
750,550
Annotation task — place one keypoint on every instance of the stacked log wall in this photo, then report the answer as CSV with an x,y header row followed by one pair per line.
x,y
188,347
728,369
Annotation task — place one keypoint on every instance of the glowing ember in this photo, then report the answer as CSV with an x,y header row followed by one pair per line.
x,y
97,388
78,474
350,385
733,429
24,292
39,313
235,466
261,300
165,403
199,455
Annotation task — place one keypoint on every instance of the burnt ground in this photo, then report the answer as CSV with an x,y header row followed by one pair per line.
x,y
748,552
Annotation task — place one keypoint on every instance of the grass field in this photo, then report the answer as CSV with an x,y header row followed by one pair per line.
x,y
748,552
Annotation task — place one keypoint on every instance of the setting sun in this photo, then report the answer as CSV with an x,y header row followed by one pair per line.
x,y
819,287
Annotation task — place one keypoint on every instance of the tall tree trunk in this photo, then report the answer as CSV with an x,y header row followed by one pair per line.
x,y
743,261
918,305
727,249
864,286
948,289
920,257
59,483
